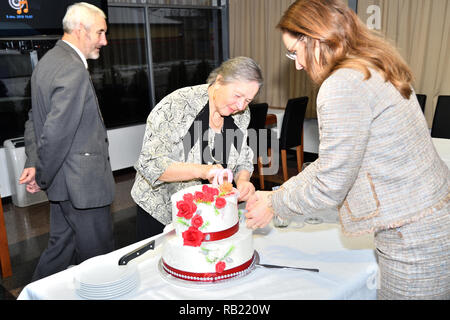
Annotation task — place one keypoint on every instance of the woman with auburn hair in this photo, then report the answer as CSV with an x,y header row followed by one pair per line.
x,y
376,163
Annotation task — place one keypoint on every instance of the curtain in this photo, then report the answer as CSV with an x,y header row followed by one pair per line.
x,y
252,33
420,29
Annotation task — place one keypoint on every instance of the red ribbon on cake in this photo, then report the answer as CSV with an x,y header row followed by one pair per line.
x,y
208,276
219,235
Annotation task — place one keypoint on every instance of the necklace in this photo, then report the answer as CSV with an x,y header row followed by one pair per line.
x,y
216,121
211,141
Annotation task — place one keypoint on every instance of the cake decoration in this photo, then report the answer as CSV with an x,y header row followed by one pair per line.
x,y
209,245
215,196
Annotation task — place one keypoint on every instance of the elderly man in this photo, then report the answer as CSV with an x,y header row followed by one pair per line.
x,y
67,145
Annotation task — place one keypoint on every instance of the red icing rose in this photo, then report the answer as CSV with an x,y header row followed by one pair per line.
x,y
208,197
197,221
198,196
220,203
192,237
220,266
209,190
188,197
203,197
186,209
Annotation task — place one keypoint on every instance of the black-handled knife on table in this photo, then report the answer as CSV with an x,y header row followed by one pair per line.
x,y
151,245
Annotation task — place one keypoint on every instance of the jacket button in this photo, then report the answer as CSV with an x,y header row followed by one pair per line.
x,y
106,140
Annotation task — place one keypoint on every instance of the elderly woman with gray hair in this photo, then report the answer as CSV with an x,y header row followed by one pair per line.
x,y
190,132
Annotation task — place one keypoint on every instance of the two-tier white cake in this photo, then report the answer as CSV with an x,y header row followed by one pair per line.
x,y
209,244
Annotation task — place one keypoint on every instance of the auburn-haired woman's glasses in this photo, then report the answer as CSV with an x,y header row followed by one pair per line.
x,y
292,54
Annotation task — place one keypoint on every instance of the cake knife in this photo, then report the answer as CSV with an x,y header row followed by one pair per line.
x,y
157,240
273,266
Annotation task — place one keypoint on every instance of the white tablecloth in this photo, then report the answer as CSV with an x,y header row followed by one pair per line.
x,y
443,149
348,270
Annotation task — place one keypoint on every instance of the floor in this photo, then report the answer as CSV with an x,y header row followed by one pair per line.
x,y
28,227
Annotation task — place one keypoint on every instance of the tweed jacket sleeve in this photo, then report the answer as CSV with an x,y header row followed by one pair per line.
x,y
344,119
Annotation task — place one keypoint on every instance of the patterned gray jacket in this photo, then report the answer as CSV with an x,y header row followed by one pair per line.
x,y
167,125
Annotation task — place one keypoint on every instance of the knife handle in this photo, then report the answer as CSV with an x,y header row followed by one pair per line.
x,y
136,253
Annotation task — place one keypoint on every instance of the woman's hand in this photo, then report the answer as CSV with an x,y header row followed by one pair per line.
x,y
208,171
246,190
182,171
259,213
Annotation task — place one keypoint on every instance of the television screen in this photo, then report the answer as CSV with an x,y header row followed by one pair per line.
x,y
20,18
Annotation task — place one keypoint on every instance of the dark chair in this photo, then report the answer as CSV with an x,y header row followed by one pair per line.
x,y
291,134
441,119
422,98
292,131
258,114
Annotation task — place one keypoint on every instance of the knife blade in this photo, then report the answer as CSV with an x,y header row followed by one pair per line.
x,y
273,266
152,244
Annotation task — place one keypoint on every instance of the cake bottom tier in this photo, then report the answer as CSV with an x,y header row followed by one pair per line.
x,y
215,260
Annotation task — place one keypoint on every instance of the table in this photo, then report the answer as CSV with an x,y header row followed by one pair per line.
x,y
348,270
443,149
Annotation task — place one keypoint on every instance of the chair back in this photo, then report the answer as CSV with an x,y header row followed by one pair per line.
x,y
258,114
292,127
422,98
441,119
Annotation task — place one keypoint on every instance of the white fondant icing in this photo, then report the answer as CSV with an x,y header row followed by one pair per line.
x,y
214,220
206,256
234,251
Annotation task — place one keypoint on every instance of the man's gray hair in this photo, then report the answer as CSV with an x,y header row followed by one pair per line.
x,y
237,69
80,12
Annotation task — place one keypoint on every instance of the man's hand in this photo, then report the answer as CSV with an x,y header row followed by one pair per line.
x,y
28,177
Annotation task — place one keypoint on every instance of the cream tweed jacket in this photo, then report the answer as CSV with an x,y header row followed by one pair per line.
x,y
167,125
377,163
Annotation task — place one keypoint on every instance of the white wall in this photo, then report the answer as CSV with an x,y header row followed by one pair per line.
x,y
125,145
5,190
124,148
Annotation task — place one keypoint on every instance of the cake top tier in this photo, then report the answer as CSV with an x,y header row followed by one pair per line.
x,y
205,212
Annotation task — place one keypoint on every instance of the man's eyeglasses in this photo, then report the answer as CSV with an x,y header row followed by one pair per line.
x,y
293,54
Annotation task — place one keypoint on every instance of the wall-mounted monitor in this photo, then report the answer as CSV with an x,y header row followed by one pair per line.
x,y
22,18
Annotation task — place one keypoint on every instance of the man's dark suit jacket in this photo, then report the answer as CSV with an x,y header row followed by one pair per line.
x,y
71,141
